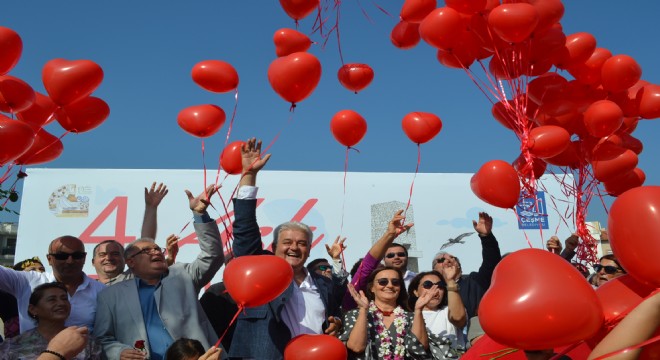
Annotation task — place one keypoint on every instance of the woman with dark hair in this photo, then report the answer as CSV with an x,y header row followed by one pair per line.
x,y
381,327
190,349
607,269
49,307
444,315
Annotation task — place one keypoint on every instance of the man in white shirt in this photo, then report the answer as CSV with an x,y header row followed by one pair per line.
x,y
66,255
396,256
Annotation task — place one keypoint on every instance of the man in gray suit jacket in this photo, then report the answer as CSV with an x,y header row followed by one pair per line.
x,y
160,305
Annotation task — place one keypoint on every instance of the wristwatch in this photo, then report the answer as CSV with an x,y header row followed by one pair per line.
x,y
454,287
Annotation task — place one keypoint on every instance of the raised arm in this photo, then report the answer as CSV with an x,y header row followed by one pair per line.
x,y
490,249
152,199
456,309
571,243
211,256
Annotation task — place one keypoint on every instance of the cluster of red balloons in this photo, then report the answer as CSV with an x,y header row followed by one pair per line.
x,y
69,84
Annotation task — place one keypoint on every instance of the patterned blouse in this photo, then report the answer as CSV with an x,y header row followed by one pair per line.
x,y
30,344
414,348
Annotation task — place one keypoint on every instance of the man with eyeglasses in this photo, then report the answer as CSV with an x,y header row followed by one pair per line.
x,y
473,286
160,304
308,306
66,256
396,256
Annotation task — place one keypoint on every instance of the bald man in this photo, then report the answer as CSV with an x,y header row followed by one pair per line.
x,y
66,255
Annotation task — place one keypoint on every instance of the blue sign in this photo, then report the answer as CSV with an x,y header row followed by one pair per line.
x,y
532,212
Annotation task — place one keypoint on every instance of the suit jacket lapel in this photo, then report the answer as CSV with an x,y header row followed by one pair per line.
x,y
132,297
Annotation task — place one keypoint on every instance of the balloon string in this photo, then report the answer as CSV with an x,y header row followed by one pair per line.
x,y
341,55
5,176
525,232
12,188
231,126
629,348
343,202
184,228
240,309
500,353
224,219
419,159
46,147
293,106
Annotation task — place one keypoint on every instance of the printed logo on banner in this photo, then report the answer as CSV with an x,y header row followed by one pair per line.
x,y
532,215
70,200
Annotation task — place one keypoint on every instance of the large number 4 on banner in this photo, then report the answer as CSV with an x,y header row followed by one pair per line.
x,y
120,204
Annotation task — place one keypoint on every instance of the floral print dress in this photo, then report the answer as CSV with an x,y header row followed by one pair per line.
x,y
30,344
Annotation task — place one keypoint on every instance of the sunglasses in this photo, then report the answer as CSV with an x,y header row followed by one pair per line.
x,y
78,255
429,284
324,267
385,281
608,269
399,254
148,251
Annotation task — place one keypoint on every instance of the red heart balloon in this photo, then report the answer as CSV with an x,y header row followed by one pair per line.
x,y
497,183
215,76
440,27
421,127
520,307
294,77
525,169
15,94
632,226
513,22
405,35
45,148
603,118
348,127
255,280
11,47
620,295
289,41
466,7
649,101
69,81
305,347
624,182
569,157
355,77
548,141
414,11
201,120
578,48
40,113
610,168
589,71
231,159
620,72
299,9
16,138
83,115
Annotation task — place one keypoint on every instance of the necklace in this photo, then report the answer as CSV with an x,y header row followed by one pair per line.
x,y
385,347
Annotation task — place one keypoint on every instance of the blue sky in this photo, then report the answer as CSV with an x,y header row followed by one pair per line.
x,y
147,50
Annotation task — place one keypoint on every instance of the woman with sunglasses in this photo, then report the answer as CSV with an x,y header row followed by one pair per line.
x,y
607,269
49,307
381,327
444,315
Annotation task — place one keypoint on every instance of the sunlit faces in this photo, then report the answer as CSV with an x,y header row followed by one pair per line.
x,y
396,257
53,306
387,286
109,259
604,272
146,259
67,257
424,287
293,246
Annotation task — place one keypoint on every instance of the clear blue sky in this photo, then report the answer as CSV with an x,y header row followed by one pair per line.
x,y
147,49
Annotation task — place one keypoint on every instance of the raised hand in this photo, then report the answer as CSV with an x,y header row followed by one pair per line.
x,y
155,194
395,227
449,271
200,203
251,155
172,249
485,224
572,242
336,249
553,245
360,299
426,297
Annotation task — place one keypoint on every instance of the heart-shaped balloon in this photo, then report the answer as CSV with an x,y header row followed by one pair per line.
x,y
497,183
15,94
45,148
11,47
256,280
231,159
421,127
348,127
620,295
83,115
215,76
299,9
16,138
548,141
649,101
288,41
307,346
625,181
405,35
67,81
522,308
414,11
513,22
610,168
294,77
201,120
40,113
355,77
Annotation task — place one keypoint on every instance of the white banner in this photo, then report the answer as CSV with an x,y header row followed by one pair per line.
x,y
101,204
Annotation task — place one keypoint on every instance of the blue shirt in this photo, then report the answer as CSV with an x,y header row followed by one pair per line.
x,y
159,338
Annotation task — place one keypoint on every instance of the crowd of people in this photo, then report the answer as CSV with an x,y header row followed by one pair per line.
x,y
144,304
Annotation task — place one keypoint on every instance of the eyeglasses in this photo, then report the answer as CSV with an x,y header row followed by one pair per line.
x,y
385,281
148,251
78,255
429,284
608,269
324,267
399,254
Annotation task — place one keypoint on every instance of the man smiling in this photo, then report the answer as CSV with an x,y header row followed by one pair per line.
x,y
108,260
